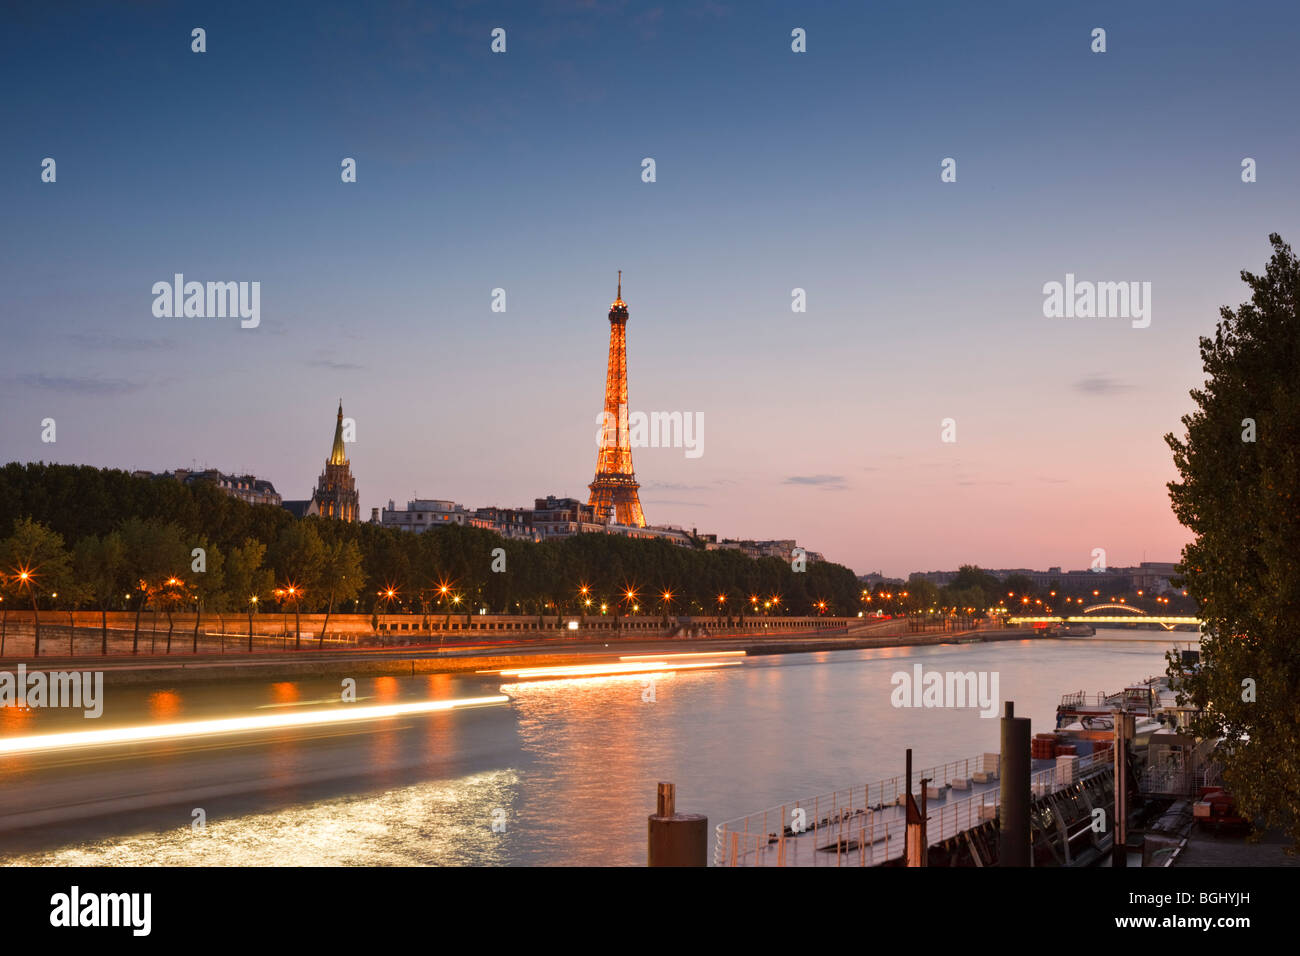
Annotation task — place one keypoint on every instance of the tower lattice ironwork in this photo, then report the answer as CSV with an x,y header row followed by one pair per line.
x,y
614,490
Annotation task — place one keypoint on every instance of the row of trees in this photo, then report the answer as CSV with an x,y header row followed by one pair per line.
x,y
89,538
979,590
148,563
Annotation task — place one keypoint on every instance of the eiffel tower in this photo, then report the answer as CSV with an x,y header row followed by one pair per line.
x,y
614,490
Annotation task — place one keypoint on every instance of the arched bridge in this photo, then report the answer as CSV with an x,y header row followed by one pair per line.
x,y
1089,616
1117,607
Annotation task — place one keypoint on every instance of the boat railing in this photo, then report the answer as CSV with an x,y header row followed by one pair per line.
x,y
833,819
1211,775
952,820
1082,699
865,826
1141,693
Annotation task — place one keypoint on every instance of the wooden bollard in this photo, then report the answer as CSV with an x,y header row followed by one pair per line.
x,y
676,839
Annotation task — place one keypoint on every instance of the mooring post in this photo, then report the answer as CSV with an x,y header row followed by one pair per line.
x,y
666,801
914,847
1013,773
1119,837
925,822
676,839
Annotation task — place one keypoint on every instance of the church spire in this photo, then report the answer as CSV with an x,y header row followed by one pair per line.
x,y
337,455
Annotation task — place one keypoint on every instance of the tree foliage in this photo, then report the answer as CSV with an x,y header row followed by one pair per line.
x,y
35,560
1239,493
340,566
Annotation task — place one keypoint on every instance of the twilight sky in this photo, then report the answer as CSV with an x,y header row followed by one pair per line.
x,y
775,170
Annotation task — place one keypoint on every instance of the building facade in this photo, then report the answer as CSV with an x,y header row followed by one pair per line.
x,y
421,514
783,548
255,491
514,523
669,533
560,517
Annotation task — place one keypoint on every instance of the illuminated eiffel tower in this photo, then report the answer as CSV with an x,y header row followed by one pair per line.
x,y
614,490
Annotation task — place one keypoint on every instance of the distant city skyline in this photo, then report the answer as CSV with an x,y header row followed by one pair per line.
x,y
775,171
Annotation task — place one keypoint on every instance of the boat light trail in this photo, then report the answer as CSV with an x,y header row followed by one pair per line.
x,y
608,670
671,657
233,725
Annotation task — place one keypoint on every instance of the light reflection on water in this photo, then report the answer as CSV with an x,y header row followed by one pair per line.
x,y
574,763
437,824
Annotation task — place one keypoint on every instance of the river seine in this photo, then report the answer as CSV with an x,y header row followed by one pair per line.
x,y
563,774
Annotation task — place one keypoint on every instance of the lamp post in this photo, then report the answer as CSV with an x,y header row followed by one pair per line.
x,y
25,579
252,609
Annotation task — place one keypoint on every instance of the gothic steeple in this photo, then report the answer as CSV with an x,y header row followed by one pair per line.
x,y
338,456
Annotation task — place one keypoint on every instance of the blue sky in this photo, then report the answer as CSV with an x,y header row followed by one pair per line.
x,y
522,171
